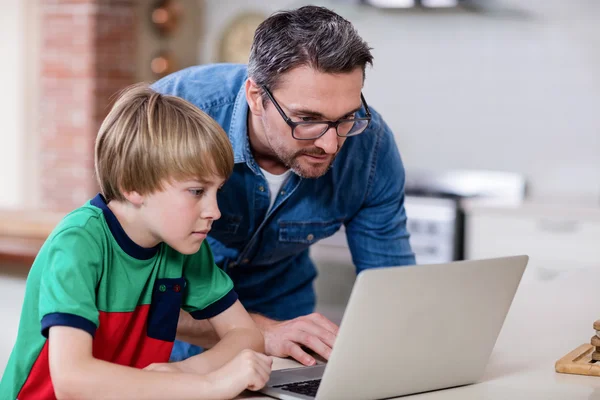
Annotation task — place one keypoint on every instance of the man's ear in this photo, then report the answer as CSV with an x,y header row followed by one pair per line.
x,y
254,97
134,198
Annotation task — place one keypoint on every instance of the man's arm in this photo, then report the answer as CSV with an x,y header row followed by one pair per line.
x,y
281,338
377,234
77,374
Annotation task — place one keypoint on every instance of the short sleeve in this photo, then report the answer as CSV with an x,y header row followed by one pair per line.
x,y
209,290
71,271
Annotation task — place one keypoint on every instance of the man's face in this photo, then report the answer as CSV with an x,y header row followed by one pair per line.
x,y
305,94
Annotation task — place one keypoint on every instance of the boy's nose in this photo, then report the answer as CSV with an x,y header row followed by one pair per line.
x,y
212,211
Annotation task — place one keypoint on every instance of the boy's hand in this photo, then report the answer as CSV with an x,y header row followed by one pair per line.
x,y
248,370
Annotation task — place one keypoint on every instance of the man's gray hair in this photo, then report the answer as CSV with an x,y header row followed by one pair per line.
x,y
308,36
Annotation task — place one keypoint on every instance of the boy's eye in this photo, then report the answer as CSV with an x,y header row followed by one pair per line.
x,y
196,192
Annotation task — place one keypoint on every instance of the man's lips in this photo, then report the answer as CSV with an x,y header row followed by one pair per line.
x,y
320,157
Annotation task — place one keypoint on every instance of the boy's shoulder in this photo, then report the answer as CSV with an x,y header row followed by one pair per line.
x,y
86,218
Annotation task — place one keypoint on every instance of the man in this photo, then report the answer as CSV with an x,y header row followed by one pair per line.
x,y
310,155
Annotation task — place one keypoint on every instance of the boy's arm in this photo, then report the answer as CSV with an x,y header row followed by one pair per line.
x,y
237,331
199,332
77,374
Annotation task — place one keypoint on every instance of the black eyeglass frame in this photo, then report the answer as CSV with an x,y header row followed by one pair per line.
x,y
330,124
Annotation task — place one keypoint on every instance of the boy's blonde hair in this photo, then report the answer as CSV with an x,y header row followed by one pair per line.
x,y
148,138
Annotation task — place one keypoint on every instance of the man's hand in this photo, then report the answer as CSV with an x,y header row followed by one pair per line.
x,y
284,339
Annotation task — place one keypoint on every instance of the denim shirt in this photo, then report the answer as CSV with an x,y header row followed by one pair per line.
x,y
266,252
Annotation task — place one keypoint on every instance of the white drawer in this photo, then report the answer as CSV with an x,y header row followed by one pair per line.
x,y
555,240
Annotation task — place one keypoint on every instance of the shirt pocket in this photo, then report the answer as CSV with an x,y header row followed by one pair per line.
x,y
307,232
163,316
227,224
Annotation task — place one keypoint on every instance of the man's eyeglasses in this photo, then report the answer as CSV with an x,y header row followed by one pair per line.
x,y
311,130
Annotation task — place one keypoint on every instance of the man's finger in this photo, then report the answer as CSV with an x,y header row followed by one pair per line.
x,y
313,343
325,323
299,355
308,326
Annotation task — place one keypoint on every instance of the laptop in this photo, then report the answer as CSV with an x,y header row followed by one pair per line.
x,y
409,330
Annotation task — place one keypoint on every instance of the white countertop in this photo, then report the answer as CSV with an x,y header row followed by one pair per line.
x,y
576,208
547,320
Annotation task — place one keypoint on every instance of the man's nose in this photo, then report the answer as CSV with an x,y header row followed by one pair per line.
x,y
329,141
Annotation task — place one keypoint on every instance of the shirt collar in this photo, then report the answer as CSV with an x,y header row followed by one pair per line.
x,y
124,241
238,130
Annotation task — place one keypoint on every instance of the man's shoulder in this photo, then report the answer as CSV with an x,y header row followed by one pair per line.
x,y
206,86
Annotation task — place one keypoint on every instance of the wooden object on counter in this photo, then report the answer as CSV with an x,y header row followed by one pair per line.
x,y
23,232
584,360
579,362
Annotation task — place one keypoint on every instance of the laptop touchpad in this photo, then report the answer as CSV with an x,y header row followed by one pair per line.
x,y
292,375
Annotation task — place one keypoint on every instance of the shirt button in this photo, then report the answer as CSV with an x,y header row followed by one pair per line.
x,y
310,237
162,288
282,192
177,288
261,188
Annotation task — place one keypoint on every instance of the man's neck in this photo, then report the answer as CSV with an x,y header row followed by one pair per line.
x,y
262,152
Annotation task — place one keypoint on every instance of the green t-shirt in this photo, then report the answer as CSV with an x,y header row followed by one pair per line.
x,y
90,275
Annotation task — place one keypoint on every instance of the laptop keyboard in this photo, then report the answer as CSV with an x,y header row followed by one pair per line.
x,y
307,388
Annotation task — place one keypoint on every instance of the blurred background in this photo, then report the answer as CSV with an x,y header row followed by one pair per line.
x,y
494,105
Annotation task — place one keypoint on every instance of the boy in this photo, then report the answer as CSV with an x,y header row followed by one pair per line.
x,y
106,288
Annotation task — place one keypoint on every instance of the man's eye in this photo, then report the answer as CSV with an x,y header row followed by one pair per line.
x,y
196,192
350,116
308,119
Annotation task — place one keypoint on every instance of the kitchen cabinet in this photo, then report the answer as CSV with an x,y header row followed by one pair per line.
x,y
558,238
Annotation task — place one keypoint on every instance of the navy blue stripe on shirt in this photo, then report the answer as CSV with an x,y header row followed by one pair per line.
x,y
125,243
217,307
65,319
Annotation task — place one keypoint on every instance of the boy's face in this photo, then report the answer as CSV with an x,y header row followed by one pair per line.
x,y
181,215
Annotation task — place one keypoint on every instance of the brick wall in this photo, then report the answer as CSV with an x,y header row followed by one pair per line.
x,y
88,53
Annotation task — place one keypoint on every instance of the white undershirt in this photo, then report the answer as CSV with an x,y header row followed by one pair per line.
x,y
275,183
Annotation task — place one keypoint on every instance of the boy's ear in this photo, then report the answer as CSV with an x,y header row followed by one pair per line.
x,y
134,198
254,98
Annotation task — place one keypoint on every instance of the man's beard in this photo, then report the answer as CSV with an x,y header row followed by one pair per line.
x,y
306,170
292,160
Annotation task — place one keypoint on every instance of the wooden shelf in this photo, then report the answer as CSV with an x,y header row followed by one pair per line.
x,y
23,232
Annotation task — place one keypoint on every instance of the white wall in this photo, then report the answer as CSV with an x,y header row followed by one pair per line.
x,y
11,102
12,292
516,89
